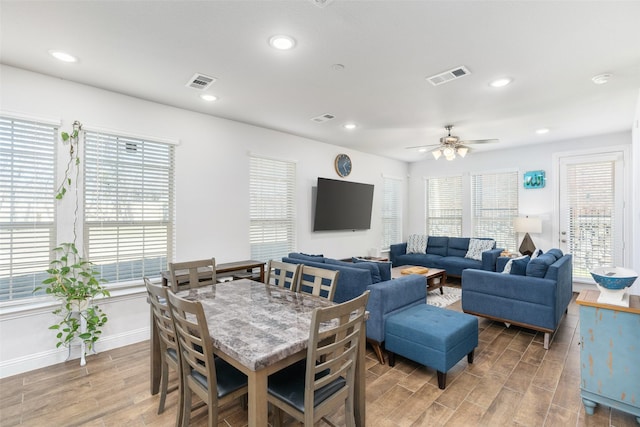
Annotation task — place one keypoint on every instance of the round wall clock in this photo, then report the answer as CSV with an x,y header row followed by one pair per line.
x,y
343,165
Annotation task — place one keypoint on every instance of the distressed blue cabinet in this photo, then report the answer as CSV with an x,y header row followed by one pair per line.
x,y
609,354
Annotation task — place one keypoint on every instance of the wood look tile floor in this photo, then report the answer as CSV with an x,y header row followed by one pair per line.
x,y
512,382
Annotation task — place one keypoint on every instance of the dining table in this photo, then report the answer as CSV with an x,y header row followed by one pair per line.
x,y
259,329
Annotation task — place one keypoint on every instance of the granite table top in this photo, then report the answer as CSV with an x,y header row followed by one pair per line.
x,y
255,323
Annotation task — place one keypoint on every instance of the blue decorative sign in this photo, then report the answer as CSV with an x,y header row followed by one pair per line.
x,y
534,179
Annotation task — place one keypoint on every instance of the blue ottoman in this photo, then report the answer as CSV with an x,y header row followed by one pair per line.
x,y
433,336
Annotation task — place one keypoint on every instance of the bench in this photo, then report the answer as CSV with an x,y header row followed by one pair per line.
x,y
432,336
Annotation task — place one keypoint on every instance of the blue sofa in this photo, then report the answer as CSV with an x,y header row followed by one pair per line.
x,y
534,295
447,253
386,298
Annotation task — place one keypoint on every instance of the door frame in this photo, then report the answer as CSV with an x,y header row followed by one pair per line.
x,y
626,196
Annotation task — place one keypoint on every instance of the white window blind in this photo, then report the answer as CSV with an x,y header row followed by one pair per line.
x,y
272,232
494,204
128,205
591,193
444,206
391,212
27,205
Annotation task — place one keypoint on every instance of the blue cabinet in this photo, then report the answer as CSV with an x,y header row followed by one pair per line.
x,y
609,354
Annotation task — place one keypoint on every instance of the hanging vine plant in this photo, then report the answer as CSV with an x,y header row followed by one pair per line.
x,y
73,279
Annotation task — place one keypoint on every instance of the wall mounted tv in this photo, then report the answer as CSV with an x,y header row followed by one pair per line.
x,y
342,205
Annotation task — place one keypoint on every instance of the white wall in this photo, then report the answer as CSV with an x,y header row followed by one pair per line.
x,y
212,202
635,210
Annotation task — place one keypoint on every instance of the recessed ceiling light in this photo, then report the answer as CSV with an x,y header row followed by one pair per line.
x,y
501,82
62,56
542,131
601,79
208,97
282,42
350,126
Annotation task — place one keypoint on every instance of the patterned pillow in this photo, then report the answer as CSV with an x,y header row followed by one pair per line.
x,y
417,244
477,246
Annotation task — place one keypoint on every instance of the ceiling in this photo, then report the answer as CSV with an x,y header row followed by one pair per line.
x,y
551,50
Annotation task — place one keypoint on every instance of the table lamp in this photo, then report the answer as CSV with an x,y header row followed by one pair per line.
x,y
527,225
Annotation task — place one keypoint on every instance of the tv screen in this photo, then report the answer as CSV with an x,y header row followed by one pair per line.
x,y
342,205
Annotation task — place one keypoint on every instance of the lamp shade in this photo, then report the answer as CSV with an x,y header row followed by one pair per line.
x,y
527,225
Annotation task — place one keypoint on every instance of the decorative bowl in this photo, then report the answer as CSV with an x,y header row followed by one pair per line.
x,y
614,278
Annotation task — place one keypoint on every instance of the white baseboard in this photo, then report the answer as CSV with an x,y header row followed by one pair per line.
x,y
59,355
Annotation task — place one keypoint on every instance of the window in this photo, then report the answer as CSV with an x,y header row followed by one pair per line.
x,y
128,205
391,212
272,232
494,204
443,208
27,205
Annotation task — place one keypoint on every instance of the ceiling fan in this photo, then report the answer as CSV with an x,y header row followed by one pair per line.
x,y
451,145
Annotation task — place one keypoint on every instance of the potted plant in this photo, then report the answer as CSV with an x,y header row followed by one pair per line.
x,y
72,278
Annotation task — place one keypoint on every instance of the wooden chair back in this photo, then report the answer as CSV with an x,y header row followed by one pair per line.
x,y
192,274
283,274
318,281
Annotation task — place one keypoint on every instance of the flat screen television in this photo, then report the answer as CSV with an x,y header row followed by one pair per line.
x,y
342,205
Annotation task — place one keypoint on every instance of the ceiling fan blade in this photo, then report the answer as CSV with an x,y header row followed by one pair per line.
x,y
422,146
479,141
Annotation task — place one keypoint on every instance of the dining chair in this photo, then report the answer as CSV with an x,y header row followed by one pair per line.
x,y
283,274
215,381
318,281
169,354
325,381
195,271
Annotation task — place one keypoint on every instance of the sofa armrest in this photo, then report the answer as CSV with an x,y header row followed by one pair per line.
x,y
489,259
396,250
391,296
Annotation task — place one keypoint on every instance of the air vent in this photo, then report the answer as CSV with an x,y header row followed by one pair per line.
x,y
323,118
200,81
447,76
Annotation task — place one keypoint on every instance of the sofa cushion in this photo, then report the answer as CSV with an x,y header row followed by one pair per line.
x,y
417,244
477,246
458,246
383,267
424,260
556,253
538,267
369,266
437,245
455,264
305,257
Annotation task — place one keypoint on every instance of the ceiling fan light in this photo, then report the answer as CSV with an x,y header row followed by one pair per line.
x,y
448,152
436,154
451,157
462,151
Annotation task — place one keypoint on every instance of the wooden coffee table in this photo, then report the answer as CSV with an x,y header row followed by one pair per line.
x,y
436,278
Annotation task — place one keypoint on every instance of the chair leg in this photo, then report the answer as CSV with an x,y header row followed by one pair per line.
x,y
378,351
186,405
164,385
442,380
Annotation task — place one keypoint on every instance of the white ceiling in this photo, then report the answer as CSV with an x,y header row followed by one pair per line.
x,y
150,49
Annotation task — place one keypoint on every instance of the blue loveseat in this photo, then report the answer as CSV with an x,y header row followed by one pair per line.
x,y
386,298
534,295
447,253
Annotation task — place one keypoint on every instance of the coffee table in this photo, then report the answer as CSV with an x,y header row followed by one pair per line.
x,y
436,278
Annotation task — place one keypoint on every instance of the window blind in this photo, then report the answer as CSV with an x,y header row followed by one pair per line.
x,y
391,212
494,204
27,205
128,205
591,205
443,208
272,230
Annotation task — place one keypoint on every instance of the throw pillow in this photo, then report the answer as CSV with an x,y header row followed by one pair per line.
x,y
519,265
477,246
536,253
507,266
417,244
383,267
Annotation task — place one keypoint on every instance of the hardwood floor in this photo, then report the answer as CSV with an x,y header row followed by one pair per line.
x,y
512,382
